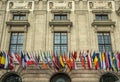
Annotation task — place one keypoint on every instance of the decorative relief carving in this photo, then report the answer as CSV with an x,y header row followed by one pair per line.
x,y
100,5
20,5
60,5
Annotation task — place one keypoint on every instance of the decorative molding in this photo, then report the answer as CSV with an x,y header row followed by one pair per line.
x,y
103,23
104,28
60,23
18,23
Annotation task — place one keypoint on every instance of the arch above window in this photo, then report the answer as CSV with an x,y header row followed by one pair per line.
x,y
108,77
10,77
60,77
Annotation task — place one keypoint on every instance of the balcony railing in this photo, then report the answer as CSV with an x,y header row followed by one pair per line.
x,y
103,23
60,23
18,22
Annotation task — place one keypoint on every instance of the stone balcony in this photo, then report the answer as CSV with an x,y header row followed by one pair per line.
x,y
60,23
18,23
103,23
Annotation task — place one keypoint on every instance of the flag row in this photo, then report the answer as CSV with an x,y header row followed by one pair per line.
x,y
88,59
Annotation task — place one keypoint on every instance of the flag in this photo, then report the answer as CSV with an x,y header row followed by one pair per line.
x,y
18,57
96,63
54,59
23,61
82,59
106,60
3,60
89,60
103,61
115,62
109,60
6,60
27,58
11,66
95,60
61,61
118,57
0,58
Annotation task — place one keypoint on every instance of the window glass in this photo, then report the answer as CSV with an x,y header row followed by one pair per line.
x,y
16,43
60,42
104,42
60,17
101,17
19,17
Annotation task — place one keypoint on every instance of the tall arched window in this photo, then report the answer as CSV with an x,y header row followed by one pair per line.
x,y
108,77
11,77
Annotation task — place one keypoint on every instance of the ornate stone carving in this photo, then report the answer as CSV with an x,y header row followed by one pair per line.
x,y
60,5
100,5
20,5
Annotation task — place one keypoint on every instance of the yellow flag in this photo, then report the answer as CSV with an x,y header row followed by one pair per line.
x,y
61,61
95,60
2,60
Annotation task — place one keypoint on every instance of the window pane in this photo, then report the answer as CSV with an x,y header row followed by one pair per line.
x,y
20,39
57,38
104,42
100,39
101,48
56,49
16,39
60,44
108,48
63,49
19,48
13,48
107,39
102,17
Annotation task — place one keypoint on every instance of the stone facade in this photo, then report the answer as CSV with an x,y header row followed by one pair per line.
x,y
39,28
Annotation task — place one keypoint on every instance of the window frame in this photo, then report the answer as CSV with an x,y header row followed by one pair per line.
x,y
104,44
101,17
61,18
60,42
16,44
20,16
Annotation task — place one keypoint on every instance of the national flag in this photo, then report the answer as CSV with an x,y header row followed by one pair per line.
x,y
61,61
74,55
103,61
115,62
6,60
118,57
109,60
54,59
11,66
27,58
89,60
0,58
23,61
68,62
3,60
82,59
18,57
106,60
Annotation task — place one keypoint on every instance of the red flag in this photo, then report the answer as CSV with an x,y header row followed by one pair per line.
x,y
10,61
54,60
18,57
106,60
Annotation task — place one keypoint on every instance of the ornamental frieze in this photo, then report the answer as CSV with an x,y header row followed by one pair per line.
x,y
100,5
60,5
20,5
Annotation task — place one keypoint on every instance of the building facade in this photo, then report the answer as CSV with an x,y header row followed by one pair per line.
x,y
59,26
